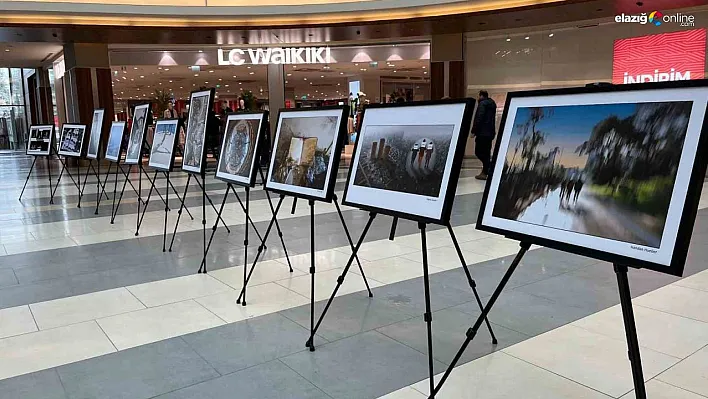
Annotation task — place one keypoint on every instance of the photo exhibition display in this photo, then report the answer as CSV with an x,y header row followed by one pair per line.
x,y
407,159
95,134
115,139
141,121
239,152
306,152
164,141
608,173
194,151
40,140
72,140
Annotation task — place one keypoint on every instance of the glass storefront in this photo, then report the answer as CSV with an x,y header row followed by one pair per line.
x,y
13,113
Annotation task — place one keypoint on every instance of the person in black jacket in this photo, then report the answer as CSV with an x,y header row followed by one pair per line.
x,y
484,130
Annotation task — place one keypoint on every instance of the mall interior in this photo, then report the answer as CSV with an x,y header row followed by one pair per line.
x,y
93,306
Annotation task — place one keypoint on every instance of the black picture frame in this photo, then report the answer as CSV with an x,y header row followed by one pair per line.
x,y
456,166
260,142
82,150
51,141
693,193
148,122
120,145
175,143
100,133
338,145
210,107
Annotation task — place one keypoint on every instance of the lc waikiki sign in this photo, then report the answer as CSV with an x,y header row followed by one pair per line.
x,y
659,58
275,55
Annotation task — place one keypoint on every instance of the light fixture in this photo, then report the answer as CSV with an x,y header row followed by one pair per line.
x,y
251,73
219,79
196,74
304,78
286,82
142,76
341,73
423,66
394,71
234,76
167,69
526,38
212,71
132,80
508,39
206,83
322,76
170,81
200,51
239,82
226,85
290,74
425,73
550,34
248,67
136,68
179,87
294,66
157,68
7,50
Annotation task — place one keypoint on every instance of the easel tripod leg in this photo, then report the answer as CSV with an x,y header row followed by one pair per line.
x,y
261,247
243,208
49,171
470,280
27,179
340,279
245,245
635,358
179,213
167,209
428,316
147,202
351,245
204,221
215,226
472,331
202,185
312,275
120,197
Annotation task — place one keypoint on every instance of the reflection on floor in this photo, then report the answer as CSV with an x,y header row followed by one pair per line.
x,y
89,310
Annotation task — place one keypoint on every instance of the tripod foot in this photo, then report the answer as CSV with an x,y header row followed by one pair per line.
x,y
308,344
243,303
136,233
371,294
238,301
95,213
494,341
312,349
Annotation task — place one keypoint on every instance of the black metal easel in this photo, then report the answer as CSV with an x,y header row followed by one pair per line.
x,y
100,187
61,173
630,329
49,169
153,187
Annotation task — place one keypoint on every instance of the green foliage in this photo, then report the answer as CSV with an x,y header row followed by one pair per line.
x,y
649,196
249,100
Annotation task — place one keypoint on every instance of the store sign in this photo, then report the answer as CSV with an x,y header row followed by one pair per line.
x,y
660,58
275,55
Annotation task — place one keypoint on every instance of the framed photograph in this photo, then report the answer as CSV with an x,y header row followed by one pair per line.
x,y
95,134
115,140
164,143
238,161
407,159
306,152
72,140
40,140
194,160
610,173
142,118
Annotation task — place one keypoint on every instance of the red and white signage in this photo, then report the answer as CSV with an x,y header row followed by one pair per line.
x,y
659,58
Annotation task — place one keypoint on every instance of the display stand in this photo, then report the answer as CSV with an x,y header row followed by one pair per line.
x,y
114,208
472,331
49,169
630,329
153,183
61,173
167,208
100,187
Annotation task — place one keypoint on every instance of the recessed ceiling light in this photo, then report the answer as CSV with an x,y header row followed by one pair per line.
x,y
394,71
304,78
239,82
322,76
526,38
132,80
196,74
206,83
212,71
136,68
294,66
286,82
423,66
219,79
341,73
550,34
157,68
290,74
425,73
142,76
251,73
226,85
170,81
248,67
179,87
7,50
200,51
167,69
508,39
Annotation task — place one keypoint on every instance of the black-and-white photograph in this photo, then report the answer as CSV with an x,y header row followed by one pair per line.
x,y
405,158
95,134
40,140
115,140
137,133
163,144
240,148
199,105
72,139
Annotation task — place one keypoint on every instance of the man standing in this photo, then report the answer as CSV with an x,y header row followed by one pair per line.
x,y
484,130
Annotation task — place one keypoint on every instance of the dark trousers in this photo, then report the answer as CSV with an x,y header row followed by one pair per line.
x,y
483,151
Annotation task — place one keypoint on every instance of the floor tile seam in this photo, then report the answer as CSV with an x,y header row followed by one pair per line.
x,y
556,374
669,313
623,340
209,310
658,375
61,382
676,386
193,349
36,325
685,286
304,378
107,336
96,319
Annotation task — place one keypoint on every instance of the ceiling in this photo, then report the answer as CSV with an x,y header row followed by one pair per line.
x,y
27,55
313,81
221,31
